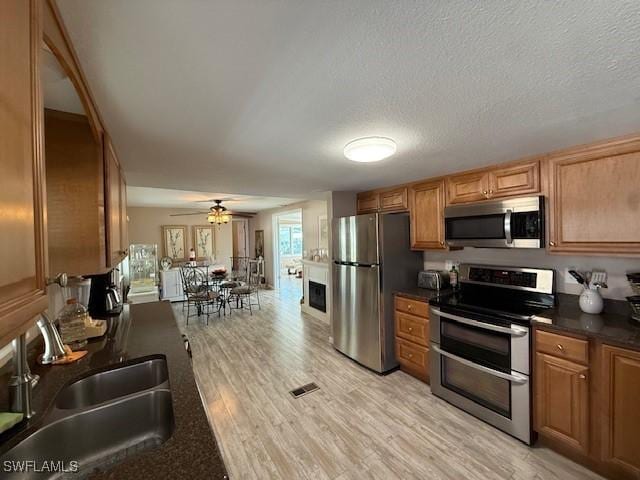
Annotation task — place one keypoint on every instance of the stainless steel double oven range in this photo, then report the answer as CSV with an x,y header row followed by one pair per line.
x,y
481,343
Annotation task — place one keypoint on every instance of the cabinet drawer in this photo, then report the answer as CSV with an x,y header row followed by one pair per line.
x,y
414,307
412,328
394,200
569,348
413,359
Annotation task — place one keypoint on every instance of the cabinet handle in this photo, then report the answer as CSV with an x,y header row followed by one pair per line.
x,y
582,376
410,329
60,279
560,347
409,307
484,192
411,355
441,242
553,244
490,192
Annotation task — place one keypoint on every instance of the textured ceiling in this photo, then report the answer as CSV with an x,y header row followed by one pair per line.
x,y
162,197
260,96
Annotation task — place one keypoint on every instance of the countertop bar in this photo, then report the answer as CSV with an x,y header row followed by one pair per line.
x,y
614,325
141,330
421,294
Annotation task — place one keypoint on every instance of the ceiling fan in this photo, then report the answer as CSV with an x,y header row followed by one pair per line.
x,y
217,214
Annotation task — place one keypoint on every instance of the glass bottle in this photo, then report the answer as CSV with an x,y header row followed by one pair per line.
x,y
453,277
72,324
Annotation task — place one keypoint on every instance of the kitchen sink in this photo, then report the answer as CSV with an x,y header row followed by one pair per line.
x,y
97,438
119,382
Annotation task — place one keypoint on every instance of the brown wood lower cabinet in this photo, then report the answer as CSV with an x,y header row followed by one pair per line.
x,y
412,336
621,410
562,401
589,409
413,359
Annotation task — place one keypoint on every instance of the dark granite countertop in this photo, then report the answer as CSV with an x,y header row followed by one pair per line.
x,y
141,330
614,325
421,294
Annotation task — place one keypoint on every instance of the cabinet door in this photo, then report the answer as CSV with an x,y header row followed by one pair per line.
x,y
112,195
562,401
621,391
394,200
515,180
124,219
22,222
368,202
468,187
426,206
595,200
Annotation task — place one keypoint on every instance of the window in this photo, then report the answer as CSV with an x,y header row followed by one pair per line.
x,y
290,240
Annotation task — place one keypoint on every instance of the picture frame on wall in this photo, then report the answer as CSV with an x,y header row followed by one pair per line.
x,y
204,242
174,242
259,243
323,232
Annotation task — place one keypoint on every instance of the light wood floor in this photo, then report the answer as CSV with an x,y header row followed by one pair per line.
x,y
358,425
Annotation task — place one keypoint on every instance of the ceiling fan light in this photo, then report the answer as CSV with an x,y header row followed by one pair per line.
x,y
370,149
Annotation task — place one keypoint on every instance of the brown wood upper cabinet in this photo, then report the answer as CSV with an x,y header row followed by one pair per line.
x,y
116,211
621,415
22,235
511,180
394,200
594,195
389,200
368,202
75,195
426,207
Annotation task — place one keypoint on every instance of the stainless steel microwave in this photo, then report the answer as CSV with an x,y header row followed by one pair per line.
x,y
511,223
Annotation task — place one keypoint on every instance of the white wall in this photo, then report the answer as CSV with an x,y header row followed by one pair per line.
x,y
311,210
145,226
614,266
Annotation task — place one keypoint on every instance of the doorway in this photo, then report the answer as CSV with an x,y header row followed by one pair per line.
x,y
240,243
288,245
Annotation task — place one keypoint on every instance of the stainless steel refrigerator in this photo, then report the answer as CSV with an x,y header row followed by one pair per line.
x,y
371,259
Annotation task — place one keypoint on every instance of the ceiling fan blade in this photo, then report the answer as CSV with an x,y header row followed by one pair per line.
x,y
243,214
185,214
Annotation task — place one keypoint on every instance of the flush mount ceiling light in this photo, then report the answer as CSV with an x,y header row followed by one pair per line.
x,y
369,149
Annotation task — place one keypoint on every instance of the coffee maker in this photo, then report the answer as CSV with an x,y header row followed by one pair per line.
x,y
104,298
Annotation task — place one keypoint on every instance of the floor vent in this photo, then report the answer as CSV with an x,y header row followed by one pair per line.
x,y
299,392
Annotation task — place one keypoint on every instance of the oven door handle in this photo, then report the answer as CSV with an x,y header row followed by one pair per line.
x,y
514,331
513,377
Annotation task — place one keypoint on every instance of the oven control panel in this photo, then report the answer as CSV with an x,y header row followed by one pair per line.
x,y
514,278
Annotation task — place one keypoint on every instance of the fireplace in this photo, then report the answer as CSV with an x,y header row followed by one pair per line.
x,y
318,296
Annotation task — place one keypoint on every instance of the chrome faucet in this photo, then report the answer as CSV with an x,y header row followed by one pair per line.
x,y
23,382
53,346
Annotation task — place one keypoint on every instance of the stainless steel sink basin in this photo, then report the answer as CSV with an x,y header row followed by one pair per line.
x,y
98,437
119,382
